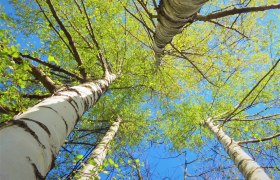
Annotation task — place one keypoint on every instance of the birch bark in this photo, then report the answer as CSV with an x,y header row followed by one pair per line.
x,y
172,16
247,166
98,155
30,142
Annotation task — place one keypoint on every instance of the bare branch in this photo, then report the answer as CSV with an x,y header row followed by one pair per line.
x,y
231,28
235,11
263,118
200,72
143,23
54,67
36,96
250,92
39,75
258,140
144,6
7,110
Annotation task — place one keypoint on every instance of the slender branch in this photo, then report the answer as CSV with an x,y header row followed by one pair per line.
x,y
200,72
52,66
231,28
139,175
101,57
52,26
151,16
143,23
70,40
77,31
7,110
36,96
142,42
155,5
250,92
81,143
143,20
235,11
258,140
252,103
65,78
43,78
39,75
263,118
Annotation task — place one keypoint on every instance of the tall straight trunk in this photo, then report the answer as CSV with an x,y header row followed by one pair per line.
x,y
98,155
30,142
172,16
246,165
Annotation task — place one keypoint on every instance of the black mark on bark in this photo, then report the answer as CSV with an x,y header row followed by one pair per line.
x,y
43,126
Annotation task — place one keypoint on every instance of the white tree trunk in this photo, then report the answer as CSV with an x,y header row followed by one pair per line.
x,y
30,142
98,155
246,165
173,15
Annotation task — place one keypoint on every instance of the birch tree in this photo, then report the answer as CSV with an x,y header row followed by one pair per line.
x,y
174,16
262,129
82,44
65,106
98,155
247,166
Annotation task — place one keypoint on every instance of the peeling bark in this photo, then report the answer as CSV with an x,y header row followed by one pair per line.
x,y
246,165
172,16
98,155
30,142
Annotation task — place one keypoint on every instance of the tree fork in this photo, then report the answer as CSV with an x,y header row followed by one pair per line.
x,y
246,165
30,142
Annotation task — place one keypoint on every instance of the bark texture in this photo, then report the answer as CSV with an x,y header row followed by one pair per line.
x,y
247,166
30,142
98,155
43,78
172,16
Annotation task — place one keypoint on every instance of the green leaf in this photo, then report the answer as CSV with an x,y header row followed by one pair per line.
x,y
80,156
111,161
52,59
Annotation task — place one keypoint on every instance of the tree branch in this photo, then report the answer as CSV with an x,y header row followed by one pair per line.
x,y
143,23
52,26
36,96
258,140
70,40
39,75
231,28
7,110
250,92
54,67
101,57
235,11
200,72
